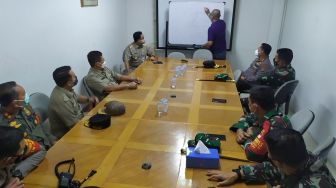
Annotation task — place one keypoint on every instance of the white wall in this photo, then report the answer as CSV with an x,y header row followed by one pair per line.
x,y
309,29
141,16
39,35
256,21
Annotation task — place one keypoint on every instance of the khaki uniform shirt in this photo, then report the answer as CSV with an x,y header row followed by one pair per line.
x,y
135,54
97,80
64,111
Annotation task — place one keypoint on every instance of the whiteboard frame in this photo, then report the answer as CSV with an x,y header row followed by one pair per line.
x,y
158,29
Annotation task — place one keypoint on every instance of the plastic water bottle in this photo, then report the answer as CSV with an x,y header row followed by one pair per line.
x,y
177,71
183,69
173,83
162,107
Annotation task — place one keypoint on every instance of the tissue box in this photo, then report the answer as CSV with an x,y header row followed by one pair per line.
x,y
197,160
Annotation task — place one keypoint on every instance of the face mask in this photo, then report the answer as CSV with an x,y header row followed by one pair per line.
x,y
141,42
76,81
25,100
104,64
256,53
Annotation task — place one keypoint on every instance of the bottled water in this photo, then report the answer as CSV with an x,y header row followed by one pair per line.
x,y
178,71
183,69
162,107
173,83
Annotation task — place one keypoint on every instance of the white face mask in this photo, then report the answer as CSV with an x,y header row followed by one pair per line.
x,y
256,53
104,64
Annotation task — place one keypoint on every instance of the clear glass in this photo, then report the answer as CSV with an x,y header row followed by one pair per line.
x,y
160,108
165,104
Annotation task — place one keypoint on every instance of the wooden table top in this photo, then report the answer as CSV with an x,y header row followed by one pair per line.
x,y
139,136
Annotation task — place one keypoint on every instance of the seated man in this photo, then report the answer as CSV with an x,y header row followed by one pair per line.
x,y
283,71
136,52
12,148
64,106
102,80
291,165
252,128
261,66
16,112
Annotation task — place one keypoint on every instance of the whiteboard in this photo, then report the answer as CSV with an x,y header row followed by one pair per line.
x,y
162,16
188,23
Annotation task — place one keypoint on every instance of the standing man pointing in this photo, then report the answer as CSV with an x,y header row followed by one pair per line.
x,y
216,35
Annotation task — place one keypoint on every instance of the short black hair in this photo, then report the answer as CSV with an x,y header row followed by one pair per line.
x,y
137,36
7,93
266,48
93,57
285,54
61,75
10,141
263,96
286,146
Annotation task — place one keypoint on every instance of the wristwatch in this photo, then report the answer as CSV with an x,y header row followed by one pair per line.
x,y
238,173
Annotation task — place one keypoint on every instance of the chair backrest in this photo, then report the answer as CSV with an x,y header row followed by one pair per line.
x,y
284,93
323,149
39,102
119,68
86,88
177,55
302,119
202,54
236,74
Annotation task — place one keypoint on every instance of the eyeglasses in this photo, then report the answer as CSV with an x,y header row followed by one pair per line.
x,y
25,100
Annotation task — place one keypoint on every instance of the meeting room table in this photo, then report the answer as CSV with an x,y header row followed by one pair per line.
x,y
141,136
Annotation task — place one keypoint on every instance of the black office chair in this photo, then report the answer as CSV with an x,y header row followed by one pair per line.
x,y
284,94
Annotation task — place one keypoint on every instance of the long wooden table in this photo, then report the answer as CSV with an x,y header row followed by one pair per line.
x,y
138,136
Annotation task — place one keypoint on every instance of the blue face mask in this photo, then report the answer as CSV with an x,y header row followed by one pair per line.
x,y
26,99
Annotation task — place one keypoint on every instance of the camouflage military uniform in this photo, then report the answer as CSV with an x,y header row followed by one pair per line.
x,y
278,77
35,139
313,174
29,123
255,147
